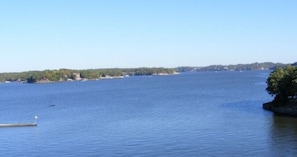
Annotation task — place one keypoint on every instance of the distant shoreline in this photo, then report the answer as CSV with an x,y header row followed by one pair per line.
x,y
46,81
63,75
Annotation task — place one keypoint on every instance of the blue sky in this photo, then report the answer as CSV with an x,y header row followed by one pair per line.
x,y
84,34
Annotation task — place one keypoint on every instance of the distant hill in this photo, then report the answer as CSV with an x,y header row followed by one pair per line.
x,y
237,67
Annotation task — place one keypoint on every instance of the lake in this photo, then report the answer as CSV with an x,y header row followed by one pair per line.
x,y
191,114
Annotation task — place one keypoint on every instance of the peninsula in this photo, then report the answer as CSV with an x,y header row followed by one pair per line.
x,y
80,75
282,84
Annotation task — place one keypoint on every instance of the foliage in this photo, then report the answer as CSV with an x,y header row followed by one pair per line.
x,y
65,74
31,79
238,67
282,83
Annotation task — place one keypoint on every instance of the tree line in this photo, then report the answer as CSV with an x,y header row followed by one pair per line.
x,y
237,67
66,74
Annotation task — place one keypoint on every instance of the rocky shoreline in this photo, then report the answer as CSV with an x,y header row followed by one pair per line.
x,y
289,109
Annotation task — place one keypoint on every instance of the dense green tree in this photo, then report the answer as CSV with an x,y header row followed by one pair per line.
x,y
31,79
282,83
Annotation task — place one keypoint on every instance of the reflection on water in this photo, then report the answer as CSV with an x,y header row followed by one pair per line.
x,y
284,136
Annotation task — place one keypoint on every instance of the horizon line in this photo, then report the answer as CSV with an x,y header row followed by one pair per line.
x,y
152,67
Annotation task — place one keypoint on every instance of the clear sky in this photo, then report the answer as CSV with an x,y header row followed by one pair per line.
x,y
85,34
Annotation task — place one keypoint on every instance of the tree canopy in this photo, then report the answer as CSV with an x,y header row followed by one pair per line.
x,y
66,74
282,83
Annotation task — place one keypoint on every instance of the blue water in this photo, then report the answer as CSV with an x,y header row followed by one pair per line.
x,y
192,114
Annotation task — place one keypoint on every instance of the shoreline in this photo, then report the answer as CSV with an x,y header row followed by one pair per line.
x,y
288,109
97,79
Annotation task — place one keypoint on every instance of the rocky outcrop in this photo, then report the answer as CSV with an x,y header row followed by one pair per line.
x,y
289,109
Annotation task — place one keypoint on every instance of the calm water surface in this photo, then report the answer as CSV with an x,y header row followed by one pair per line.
x,y
192,114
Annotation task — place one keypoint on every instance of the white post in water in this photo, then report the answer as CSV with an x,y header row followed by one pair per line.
x,y
36,118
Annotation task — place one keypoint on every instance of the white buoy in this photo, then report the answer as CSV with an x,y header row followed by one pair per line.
x,y
36,118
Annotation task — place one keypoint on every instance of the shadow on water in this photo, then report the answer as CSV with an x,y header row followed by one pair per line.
x,y
277,134
283,136
249,106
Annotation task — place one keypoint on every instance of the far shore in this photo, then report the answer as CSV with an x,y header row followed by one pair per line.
x,y
46,81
